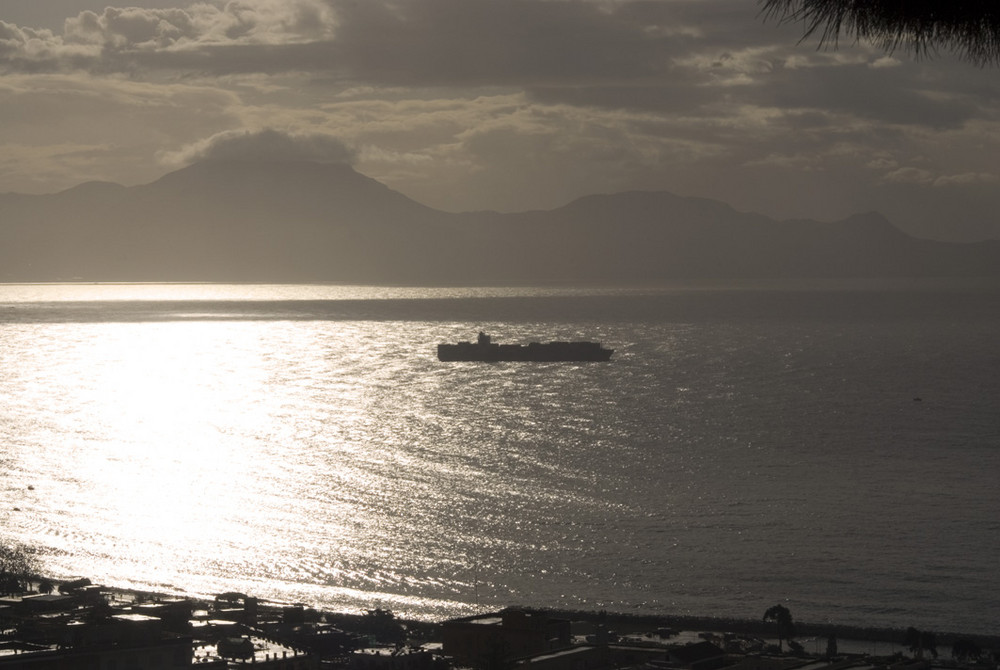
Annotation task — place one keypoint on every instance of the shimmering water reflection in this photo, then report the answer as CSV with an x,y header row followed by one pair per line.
x,y
739,450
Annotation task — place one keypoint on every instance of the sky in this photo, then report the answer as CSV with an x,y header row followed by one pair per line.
x,y
506,105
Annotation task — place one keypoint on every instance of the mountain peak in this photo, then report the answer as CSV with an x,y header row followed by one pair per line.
x,y
872,223
222,169
299,184
93,188
298,220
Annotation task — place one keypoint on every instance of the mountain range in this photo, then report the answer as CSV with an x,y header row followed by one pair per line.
x,y
265,221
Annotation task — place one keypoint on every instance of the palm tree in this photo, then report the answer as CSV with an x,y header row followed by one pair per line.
x,y
969,27
782,619
831,646
912,640
929,642
964,649
920,640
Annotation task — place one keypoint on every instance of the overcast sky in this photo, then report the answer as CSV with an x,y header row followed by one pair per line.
x,y
503,104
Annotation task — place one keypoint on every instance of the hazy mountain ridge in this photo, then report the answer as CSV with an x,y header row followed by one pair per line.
x,y
300,221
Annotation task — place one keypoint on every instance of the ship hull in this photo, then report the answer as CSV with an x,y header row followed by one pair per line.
x,y
583,352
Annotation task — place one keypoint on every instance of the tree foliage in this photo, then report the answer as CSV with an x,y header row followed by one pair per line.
x,y
782,619
971,28
383,625
17,566
831,646
919,641
965,649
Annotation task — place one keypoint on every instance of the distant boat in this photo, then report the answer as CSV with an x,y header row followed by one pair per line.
x,y
483,349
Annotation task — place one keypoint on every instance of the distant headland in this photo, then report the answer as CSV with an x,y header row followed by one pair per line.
x,y
258,221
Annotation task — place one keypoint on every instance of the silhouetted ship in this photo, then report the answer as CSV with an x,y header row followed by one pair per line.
x,y
485,350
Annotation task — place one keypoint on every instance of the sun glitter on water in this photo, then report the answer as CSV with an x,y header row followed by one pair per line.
x,y
158,426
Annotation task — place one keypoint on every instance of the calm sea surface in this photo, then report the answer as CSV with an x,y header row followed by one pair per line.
x,y
743,447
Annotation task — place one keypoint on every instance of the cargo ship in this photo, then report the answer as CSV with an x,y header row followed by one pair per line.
x,y
483,349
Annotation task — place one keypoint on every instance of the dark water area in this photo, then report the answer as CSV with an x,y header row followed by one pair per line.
x,y
835,449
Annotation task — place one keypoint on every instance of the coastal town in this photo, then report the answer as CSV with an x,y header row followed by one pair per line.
x,y
80,625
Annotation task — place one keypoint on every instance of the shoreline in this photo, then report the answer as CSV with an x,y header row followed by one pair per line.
x,y
625,622
761,628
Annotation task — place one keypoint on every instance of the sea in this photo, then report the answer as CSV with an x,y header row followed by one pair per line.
x,y
830,446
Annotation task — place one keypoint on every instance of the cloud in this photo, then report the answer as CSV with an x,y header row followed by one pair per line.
x,y
29,50
267,144
235,22
484,42
910,175
882,163
885,61
132,28
792,162
672,57
967,178
382,42
54,119
469,104
120,39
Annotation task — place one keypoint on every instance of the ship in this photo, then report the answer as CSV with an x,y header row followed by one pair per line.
x,y
484,349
